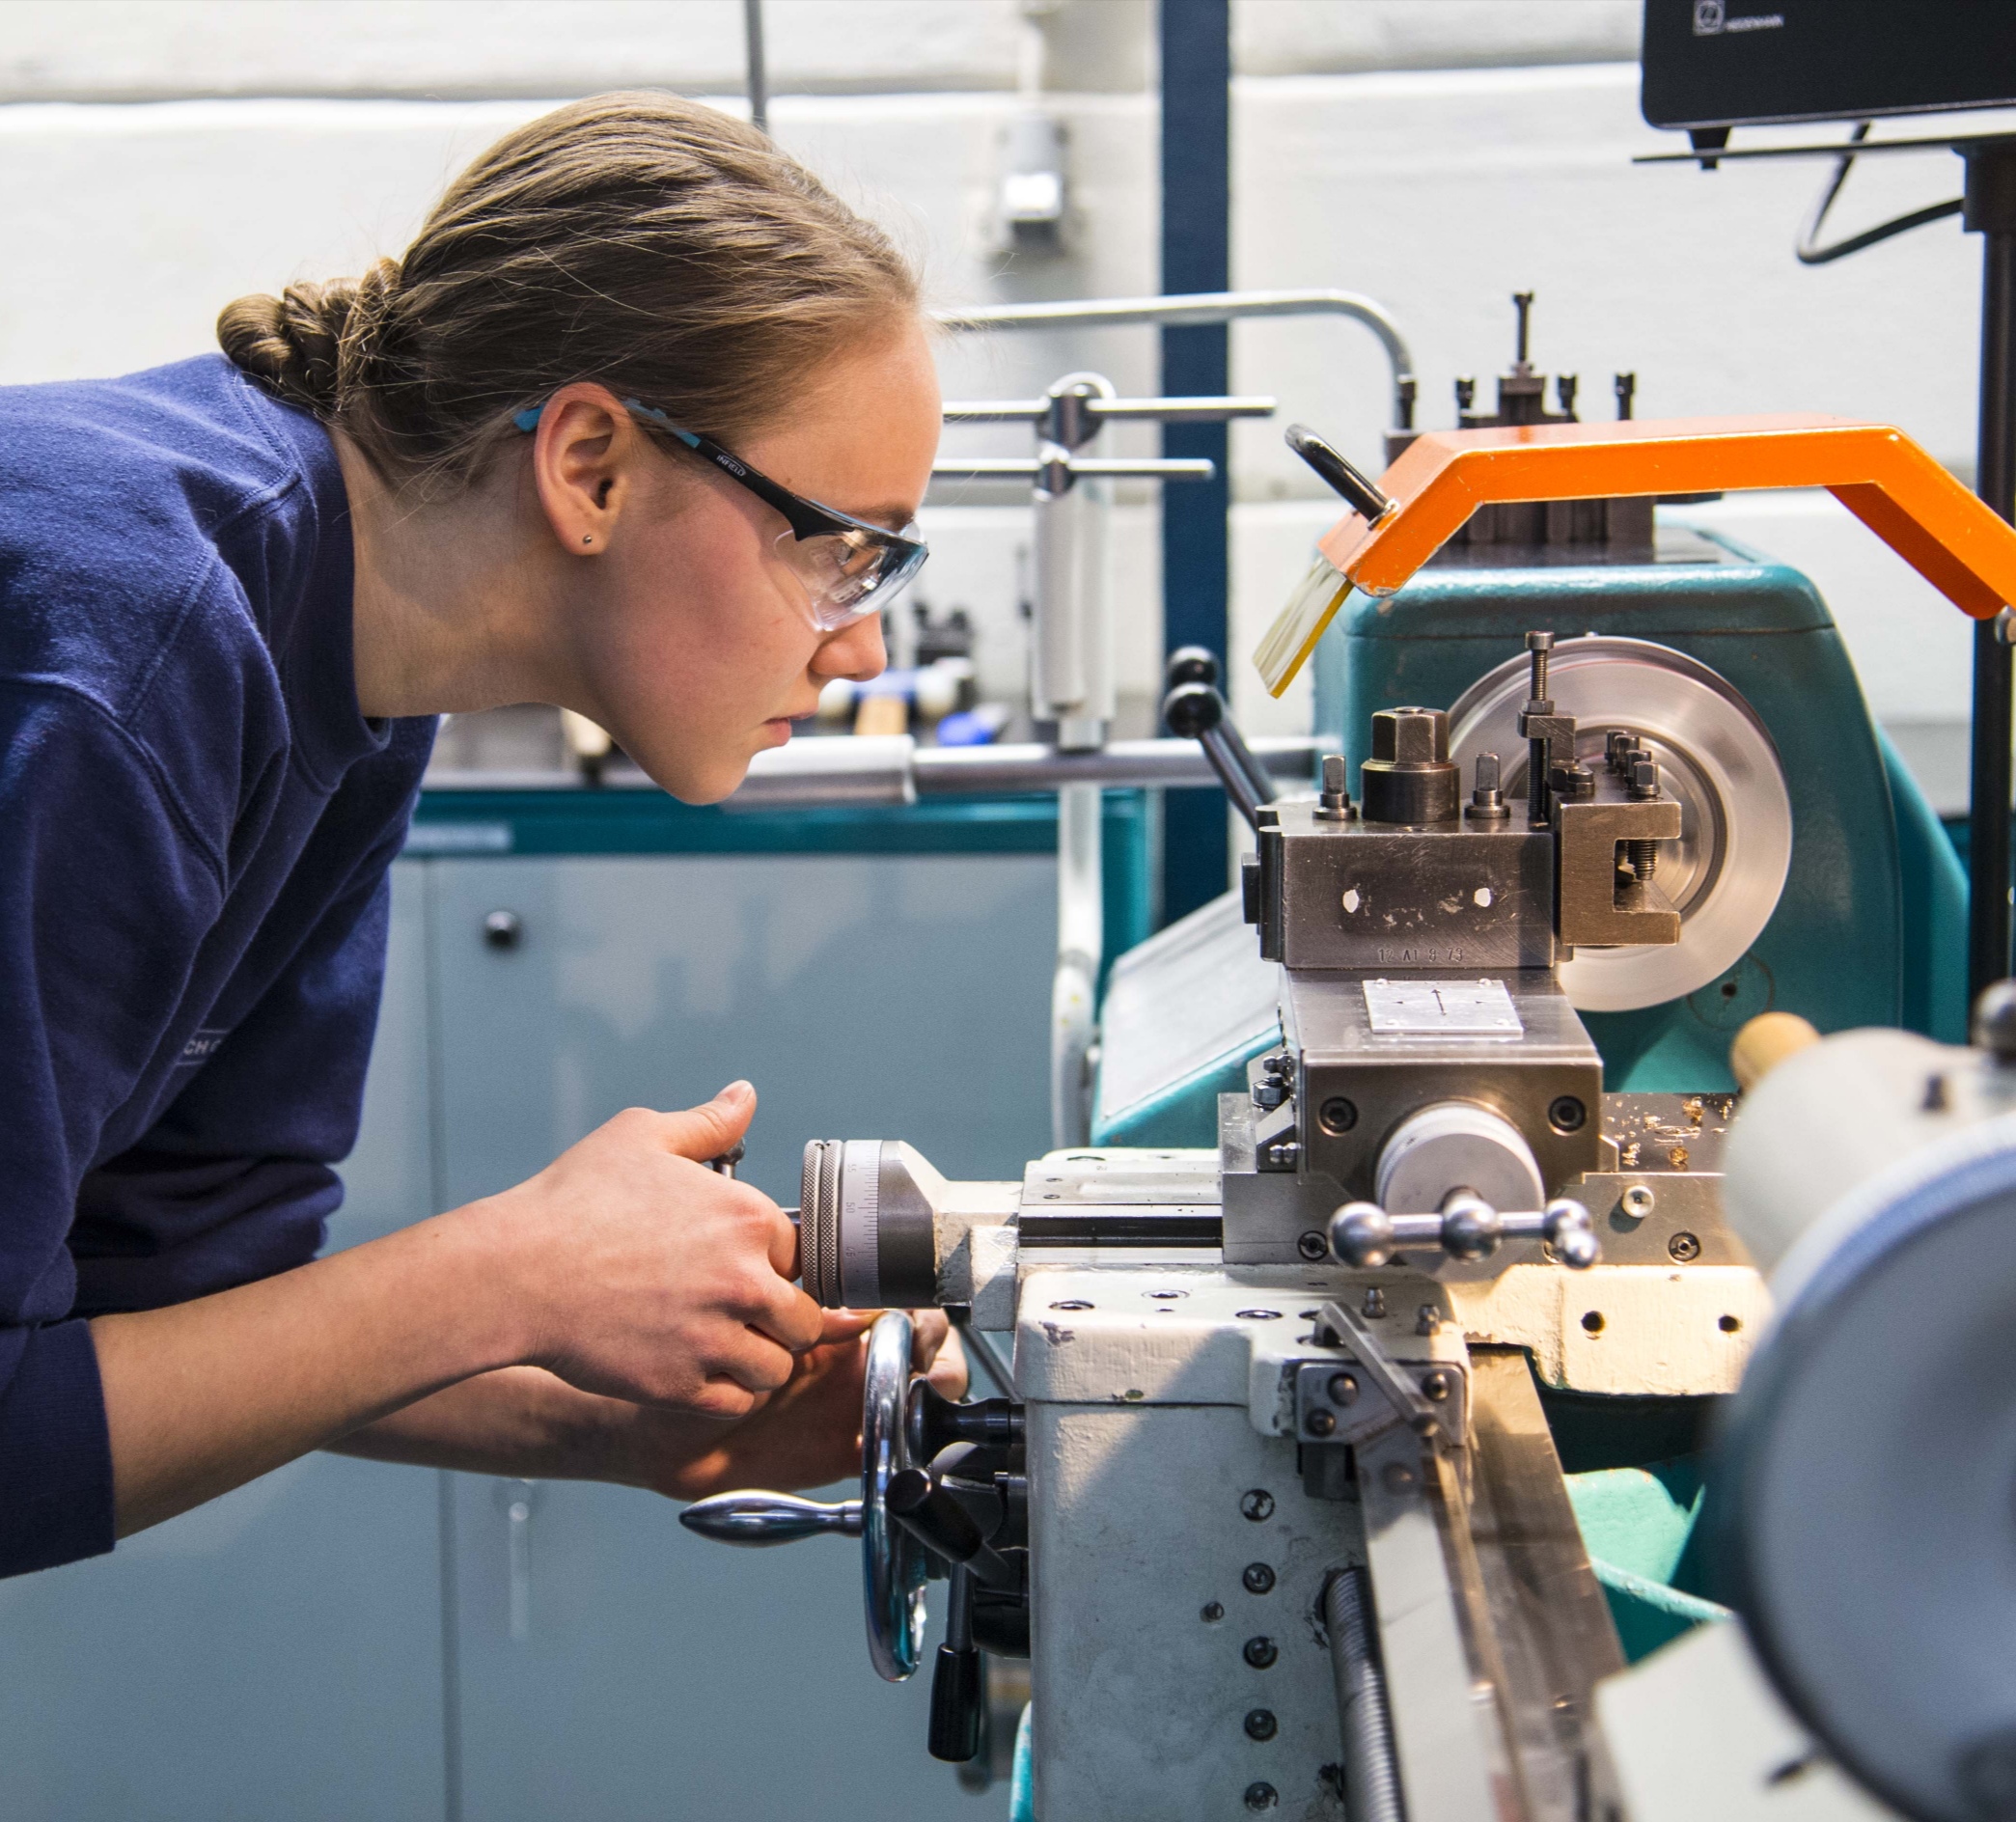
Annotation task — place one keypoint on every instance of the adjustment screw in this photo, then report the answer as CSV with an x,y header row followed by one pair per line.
x,y
1260,1725
1321,1423
1566,1113
1257,1505
1261,1796
1683,1246
1260,1652
1258,1578
1435,1386
1995,1021
1642,786
1313,1246
502,930
1342,1389
1338,1115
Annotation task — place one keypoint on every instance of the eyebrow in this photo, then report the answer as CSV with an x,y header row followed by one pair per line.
x,y
891,518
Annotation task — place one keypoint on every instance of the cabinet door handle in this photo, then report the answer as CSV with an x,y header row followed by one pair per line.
x,y
517,1498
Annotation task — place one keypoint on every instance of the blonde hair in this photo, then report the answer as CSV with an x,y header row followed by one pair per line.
x,y
657,246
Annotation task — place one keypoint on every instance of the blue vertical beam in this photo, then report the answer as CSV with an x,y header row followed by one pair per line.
x,y
1196,45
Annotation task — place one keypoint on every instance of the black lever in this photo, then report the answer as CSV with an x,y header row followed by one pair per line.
x,y
943,1526
956,1683
1360,492
1193,710
933,1422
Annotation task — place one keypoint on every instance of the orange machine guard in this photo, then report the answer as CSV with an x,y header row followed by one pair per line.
x,y
1948,535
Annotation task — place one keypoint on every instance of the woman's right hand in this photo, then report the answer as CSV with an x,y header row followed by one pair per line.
x,y
637,1273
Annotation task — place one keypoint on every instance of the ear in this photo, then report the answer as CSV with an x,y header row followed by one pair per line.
x,y
583,458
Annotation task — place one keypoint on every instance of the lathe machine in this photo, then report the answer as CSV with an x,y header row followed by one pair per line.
x,y
1381,1322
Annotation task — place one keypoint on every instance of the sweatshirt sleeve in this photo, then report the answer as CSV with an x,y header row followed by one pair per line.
x,y
109,892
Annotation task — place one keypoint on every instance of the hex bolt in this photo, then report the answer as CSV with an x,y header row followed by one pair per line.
x,y
1427,1319
503,929
1260,1725
1261,1796
1312,1245
1574,782
1435,1386
1260,1653
1258,1578
1684,1245
1636,1202
1374,1302
1321,1423
1343,1389
1257,1505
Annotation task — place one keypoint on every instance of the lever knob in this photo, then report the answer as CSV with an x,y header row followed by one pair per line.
x,y
1191,664
1192,710
757,1519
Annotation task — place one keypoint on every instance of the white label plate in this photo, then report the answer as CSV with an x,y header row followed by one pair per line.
x,y
1441,1009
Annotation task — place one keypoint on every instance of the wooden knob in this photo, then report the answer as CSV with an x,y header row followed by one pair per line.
x,y
1765,1042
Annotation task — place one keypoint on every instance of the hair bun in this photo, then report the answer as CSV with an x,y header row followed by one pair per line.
x,y
291,344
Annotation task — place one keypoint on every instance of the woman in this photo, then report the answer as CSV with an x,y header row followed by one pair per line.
x,y
635,427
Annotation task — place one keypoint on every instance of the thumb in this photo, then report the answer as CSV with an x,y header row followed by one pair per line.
x,y
705,1132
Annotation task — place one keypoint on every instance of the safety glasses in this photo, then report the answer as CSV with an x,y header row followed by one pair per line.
x,y
848,568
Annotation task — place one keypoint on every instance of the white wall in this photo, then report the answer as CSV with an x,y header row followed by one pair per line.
x,y
1378,146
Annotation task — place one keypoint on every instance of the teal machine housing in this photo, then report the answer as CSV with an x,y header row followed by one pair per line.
x,y
1870,929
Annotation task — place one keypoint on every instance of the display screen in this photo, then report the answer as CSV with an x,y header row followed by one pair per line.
x,y
1736,62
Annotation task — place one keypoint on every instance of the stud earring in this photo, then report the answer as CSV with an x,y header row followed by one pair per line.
x,y
587,539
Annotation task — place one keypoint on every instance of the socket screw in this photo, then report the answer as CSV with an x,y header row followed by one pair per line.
x,y
1683,1247
1261,1796
1313,1246
1260,1653
1257,1505
1321,1423
1260,1725
1435,1386
1258,1578
1636,1202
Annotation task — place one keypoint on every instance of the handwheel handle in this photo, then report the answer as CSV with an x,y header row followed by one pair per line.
x,y
755,1519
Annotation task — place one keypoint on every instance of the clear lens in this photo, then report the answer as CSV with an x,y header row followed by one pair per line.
x,y
850,574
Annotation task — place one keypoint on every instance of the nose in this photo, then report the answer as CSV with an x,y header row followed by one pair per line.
x,y
855,652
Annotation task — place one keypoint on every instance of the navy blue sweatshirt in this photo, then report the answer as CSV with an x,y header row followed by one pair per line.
x,y
195,826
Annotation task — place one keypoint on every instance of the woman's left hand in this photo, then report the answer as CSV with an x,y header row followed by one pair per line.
x,y
524,1422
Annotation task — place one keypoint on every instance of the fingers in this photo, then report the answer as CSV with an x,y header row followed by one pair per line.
x,y
701,1133
948,1374
785,1314
845,1325
929,1330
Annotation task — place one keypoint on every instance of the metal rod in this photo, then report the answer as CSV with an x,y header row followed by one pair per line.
x,y
1372,1778
987,771
753,49
1159,410
1991,212
1112,467
1195,308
